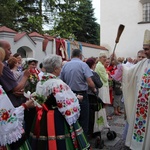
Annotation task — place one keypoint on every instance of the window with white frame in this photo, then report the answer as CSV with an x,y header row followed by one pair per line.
x,y
146,12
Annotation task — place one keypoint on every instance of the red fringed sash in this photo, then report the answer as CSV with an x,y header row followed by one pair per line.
x,y
51,130
38,119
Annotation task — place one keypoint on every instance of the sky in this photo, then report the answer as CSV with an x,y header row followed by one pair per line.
x,y
96,6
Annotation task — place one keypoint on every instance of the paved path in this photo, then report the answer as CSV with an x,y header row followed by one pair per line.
x,y
117,124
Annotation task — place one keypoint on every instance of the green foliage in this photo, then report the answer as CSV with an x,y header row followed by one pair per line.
x,y
22,15
71,17
30,18
8,13
66,24
77,18
90,28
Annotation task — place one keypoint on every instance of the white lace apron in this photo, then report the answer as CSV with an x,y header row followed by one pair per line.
x,y
11,120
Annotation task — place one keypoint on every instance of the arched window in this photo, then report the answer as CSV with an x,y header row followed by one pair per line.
x,y
25,52
146,10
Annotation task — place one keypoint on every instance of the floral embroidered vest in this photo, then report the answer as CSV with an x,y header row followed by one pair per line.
x,y
142,108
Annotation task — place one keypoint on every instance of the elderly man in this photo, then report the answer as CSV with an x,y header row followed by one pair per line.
x,y
77,75
136,92
13,89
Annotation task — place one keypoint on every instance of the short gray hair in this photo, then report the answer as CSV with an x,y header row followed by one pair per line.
x,y
52,62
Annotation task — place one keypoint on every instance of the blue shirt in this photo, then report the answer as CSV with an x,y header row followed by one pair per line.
x,y
75,73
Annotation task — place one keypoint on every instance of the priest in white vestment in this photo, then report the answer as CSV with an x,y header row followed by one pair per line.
x,y
136,92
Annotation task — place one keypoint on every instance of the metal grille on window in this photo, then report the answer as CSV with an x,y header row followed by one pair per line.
x,y
146,12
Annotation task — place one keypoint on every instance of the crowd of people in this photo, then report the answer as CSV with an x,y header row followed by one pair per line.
x,y
52,106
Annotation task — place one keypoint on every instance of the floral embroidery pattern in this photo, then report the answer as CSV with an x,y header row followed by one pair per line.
x,y
74,137
41,98
142,108
67,112
7,117
63,103
67,102
45,77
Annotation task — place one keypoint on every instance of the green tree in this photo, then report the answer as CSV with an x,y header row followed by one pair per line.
x,y
30,19
90,29
20,15
71,17
23,15
76,18
8,11
66,18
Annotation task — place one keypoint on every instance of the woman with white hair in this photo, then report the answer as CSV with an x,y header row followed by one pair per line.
x,y
101,71
56,126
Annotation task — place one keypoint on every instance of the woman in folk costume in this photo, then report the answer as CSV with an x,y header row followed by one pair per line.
x,y
56,126
136,92
12,135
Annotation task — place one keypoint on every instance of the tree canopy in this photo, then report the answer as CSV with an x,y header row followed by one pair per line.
x,y
73,18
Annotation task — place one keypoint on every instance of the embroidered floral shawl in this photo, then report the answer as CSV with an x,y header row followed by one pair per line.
x,y
66,100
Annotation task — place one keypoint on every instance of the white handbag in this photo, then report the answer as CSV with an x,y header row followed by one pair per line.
x,y
100,120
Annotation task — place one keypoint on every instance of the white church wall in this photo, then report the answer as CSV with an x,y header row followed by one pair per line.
x,y
33,46
91,52
25,42
49,48
126,12
39,54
